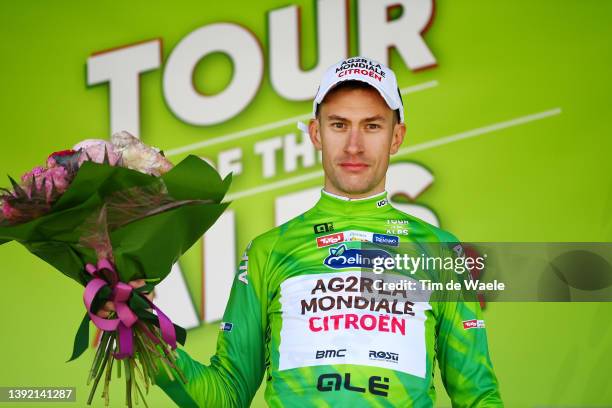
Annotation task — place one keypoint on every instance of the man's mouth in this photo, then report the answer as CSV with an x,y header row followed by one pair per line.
x,y
353,166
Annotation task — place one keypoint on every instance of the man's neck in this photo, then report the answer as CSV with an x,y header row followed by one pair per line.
x,y
347,198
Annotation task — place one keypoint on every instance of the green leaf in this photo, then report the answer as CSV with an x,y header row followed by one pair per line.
x,y
17,188
105,160
146,288
149,247
99,180
193,178
81,339
181,334
137,303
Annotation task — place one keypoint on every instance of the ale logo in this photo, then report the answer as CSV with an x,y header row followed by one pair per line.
x,y
333,381
340,257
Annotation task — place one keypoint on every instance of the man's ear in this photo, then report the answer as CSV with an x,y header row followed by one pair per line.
x,y
314,133
399,131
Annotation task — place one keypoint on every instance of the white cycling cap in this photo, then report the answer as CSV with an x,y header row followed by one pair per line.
x,y
379,76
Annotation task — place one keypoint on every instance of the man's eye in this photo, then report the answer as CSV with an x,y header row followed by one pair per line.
x,y
338,125
373,126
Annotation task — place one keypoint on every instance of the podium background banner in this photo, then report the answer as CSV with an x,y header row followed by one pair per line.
x,y
508,139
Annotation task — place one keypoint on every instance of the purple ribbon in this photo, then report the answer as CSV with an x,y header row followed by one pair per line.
x,y
126,318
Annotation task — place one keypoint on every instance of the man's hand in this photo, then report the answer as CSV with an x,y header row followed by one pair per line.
x,y
110,306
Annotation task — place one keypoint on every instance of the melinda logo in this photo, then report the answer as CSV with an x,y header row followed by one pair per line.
x,y
340,257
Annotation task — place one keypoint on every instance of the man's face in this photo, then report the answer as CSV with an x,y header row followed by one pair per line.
x,y
356,132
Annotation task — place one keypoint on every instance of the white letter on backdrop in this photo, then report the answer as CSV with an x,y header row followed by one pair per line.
x,y
173,297
377,34
410,180
293,150
267,150
121,68
286,74
230,162
244,51
219,253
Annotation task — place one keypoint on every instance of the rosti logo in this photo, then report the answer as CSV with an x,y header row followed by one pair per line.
x,y
330,240
340,257
333,381
473,324
383,356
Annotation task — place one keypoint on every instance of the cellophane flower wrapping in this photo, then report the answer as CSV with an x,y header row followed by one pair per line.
x,y
107,213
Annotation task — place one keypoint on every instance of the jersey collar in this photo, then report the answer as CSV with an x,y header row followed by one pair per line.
x,y
336,204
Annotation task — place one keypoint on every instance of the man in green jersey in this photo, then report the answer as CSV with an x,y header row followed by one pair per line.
x,y
306,311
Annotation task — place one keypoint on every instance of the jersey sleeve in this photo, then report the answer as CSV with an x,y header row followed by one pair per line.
x,y
236,369
462,350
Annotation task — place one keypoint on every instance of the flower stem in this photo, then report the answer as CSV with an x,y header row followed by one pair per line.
x,y
107,378
98,357
128,383
142,396
169,353
107,355
118,367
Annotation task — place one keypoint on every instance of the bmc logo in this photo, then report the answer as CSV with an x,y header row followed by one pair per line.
x,y
330,239
473,324
330,353
333,382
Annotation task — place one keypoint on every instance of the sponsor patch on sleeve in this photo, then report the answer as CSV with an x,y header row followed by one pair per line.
x,y
473,324
226,326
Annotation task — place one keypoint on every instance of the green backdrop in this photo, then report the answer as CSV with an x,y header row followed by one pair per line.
x,y
500,174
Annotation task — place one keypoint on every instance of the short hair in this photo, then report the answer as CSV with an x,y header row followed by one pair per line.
x,y
351,85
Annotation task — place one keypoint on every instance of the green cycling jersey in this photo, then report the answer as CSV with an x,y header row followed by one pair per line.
x,y
305,310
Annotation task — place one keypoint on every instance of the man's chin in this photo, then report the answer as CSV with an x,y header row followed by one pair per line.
x,y
356,189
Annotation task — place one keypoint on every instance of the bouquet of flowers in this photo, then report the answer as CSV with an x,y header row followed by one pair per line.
x,y
106,213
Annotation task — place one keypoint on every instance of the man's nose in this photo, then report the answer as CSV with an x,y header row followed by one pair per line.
x,y
354,143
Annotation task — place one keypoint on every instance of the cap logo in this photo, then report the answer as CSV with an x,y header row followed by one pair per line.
x,y
364,72
360,66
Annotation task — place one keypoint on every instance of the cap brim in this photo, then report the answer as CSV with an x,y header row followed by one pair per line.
x,y
321,95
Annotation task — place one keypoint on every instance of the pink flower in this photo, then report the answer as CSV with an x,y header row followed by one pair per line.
x,y
55,176
36,172
60,178
51,162
95,149
7,211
